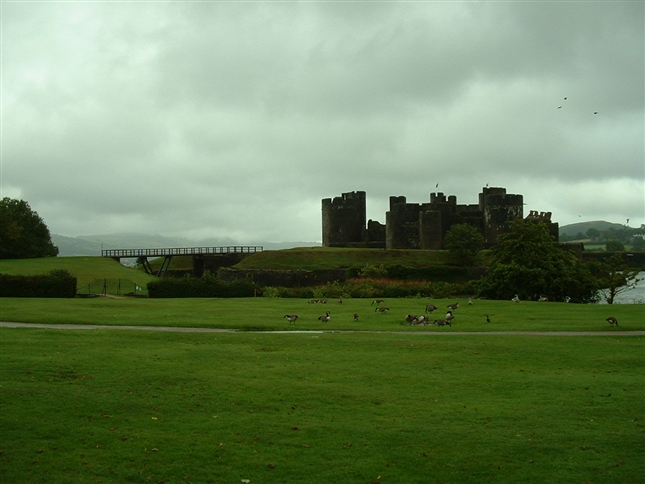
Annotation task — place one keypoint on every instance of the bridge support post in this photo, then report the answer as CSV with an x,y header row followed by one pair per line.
x,y
146,264
164,266
198,266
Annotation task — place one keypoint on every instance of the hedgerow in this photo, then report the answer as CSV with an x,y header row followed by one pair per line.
x,y
373,288
57,283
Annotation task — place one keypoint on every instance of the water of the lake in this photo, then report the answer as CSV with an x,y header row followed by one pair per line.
x,y
631,296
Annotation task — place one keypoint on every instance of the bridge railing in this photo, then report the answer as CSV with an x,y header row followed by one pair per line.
x,y
233,249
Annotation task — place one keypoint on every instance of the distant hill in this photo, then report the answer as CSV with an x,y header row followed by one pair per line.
x,y
92,244
582,227
69,246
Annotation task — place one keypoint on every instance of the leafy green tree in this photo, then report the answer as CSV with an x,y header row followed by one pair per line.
x,y
614,246
23,234
528,262
615,277
593,233
463,243
638,243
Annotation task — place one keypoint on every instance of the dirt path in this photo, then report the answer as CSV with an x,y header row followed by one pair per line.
x,y
220,330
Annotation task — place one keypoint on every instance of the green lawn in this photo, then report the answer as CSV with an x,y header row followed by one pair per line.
x,y
127,406
87,270
389,406
268,314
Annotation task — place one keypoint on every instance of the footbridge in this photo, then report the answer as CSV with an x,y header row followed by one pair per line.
x,y
197,253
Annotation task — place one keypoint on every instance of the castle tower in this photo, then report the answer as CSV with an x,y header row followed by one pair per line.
x,y
343,219
447,207
430,230
499,208
395,220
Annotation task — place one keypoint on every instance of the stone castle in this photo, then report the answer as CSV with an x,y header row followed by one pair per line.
x,y
421,225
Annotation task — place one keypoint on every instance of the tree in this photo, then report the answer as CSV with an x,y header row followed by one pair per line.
x,y
614,246
23,234
463,243
615,277
528,262
593,233
638,243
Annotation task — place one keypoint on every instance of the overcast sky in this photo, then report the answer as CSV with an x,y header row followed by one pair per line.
x,y
235,119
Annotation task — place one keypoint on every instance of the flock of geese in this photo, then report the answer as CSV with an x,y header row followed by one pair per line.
x,y
413,319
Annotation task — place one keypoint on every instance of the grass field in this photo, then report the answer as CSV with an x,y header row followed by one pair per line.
x,y
388,404
87,270
127,406
268,314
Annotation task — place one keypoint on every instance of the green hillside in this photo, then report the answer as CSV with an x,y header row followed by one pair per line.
x,y
311,258
86,269
582,227
321,258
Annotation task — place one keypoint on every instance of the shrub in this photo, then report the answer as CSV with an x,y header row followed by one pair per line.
x,y
370,271
270,292
614,246
362,289
396,290
373,288
58,283
296,292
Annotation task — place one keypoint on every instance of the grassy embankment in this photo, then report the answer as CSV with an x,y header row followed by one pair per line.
x,y
312,258
87,270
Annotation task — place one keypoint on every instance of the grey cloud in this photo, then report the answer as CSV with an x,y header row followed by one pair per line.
x,y
235,119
